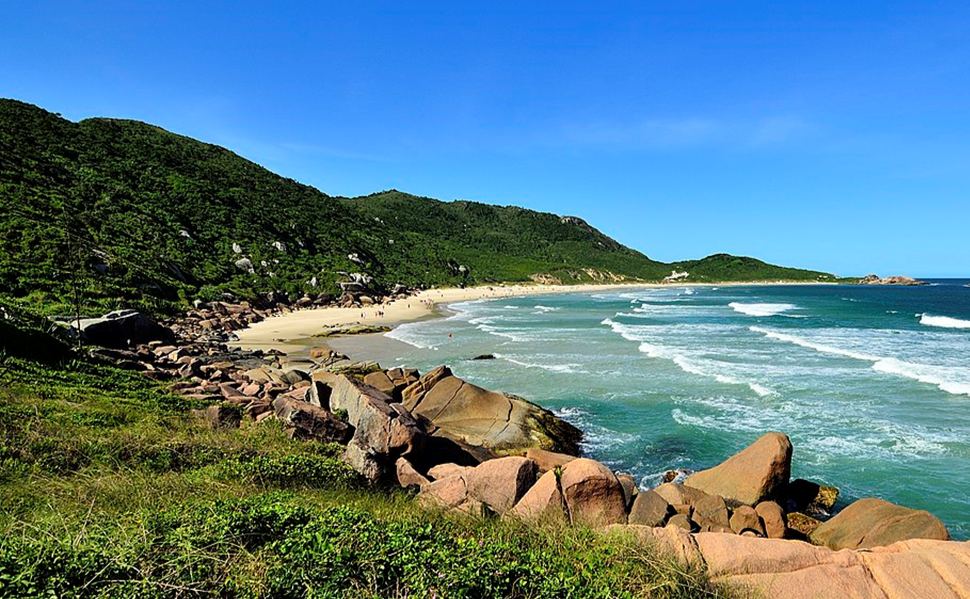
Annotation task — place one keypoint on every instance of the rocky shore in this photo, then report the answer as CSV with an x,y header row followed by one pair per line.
x,y
897,280
482,453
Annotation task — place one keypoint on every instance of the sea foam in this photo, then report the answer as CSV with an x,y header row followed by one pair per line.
x,y
944,322
955,381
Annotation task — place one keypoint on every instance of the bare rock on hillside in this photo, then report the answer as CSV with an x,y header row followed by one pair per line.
x,y
407,476
773,518
759,472
745,518
874,522
448,492
442,471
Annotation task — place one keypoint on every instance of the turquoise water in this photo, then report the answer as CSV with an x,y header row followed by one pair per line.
x,y
872,384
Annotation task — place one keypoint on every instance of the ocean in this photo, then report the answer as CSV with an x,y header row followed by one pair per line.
x,y
872,384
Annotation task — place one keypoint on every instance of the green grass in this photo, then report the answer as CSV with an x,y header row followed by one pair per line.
x,y
110,489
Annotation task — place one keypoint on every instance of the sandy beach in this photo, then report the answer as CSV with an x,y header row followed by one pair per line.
x,y
293,331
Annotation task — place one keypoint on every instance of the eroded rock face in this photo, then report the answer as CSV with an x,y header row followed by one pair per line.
x,y
873,523
502,482
594,496
758,473
450,407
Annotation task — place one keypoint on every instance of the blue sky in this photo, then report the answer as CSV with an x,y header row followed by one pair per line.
x,y
829,135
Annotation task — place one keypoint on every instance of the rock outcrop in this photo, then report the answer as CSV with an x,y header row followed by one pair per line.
x,y
502,482
593,495
452,408
303,420
543,502
873,523
650,509
893,280
759,472
792,570
383,430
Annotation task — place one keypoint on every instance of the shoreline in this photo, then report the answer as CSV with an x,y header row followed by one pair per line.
x,y
294,333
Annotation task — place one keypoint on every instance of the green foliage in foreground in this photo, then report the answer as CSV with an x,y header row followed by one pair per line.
x,y
275,545
126,214
111,490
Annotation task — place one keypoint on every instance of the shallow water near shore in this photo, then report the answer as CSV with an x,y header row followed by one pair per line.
x,y
872,384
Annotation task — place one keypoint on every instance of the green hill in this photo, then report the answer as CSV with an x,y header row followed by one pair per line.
x,y
133,215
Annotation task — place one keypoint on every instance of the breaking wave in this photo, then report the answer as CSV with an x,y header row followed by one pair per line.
x,y
955,381
944,322
763,310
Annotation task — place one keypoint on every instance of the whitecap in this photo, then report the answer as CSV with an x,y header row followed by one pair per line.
x,y
763,310
545,309
944,322
955,381
596,438
564,368
406,334
693,367
819,347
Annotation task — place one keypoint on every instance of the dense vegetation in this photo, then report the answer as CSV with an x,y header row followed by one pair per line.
x,y
126,214
111,489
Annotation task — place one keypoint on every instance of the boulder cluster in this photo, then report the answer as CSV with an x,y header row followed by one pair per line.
x,y
748,495
384,417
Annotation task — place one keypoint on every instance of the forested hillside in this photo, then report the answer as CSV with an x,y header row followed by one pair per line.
x,y
127,214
